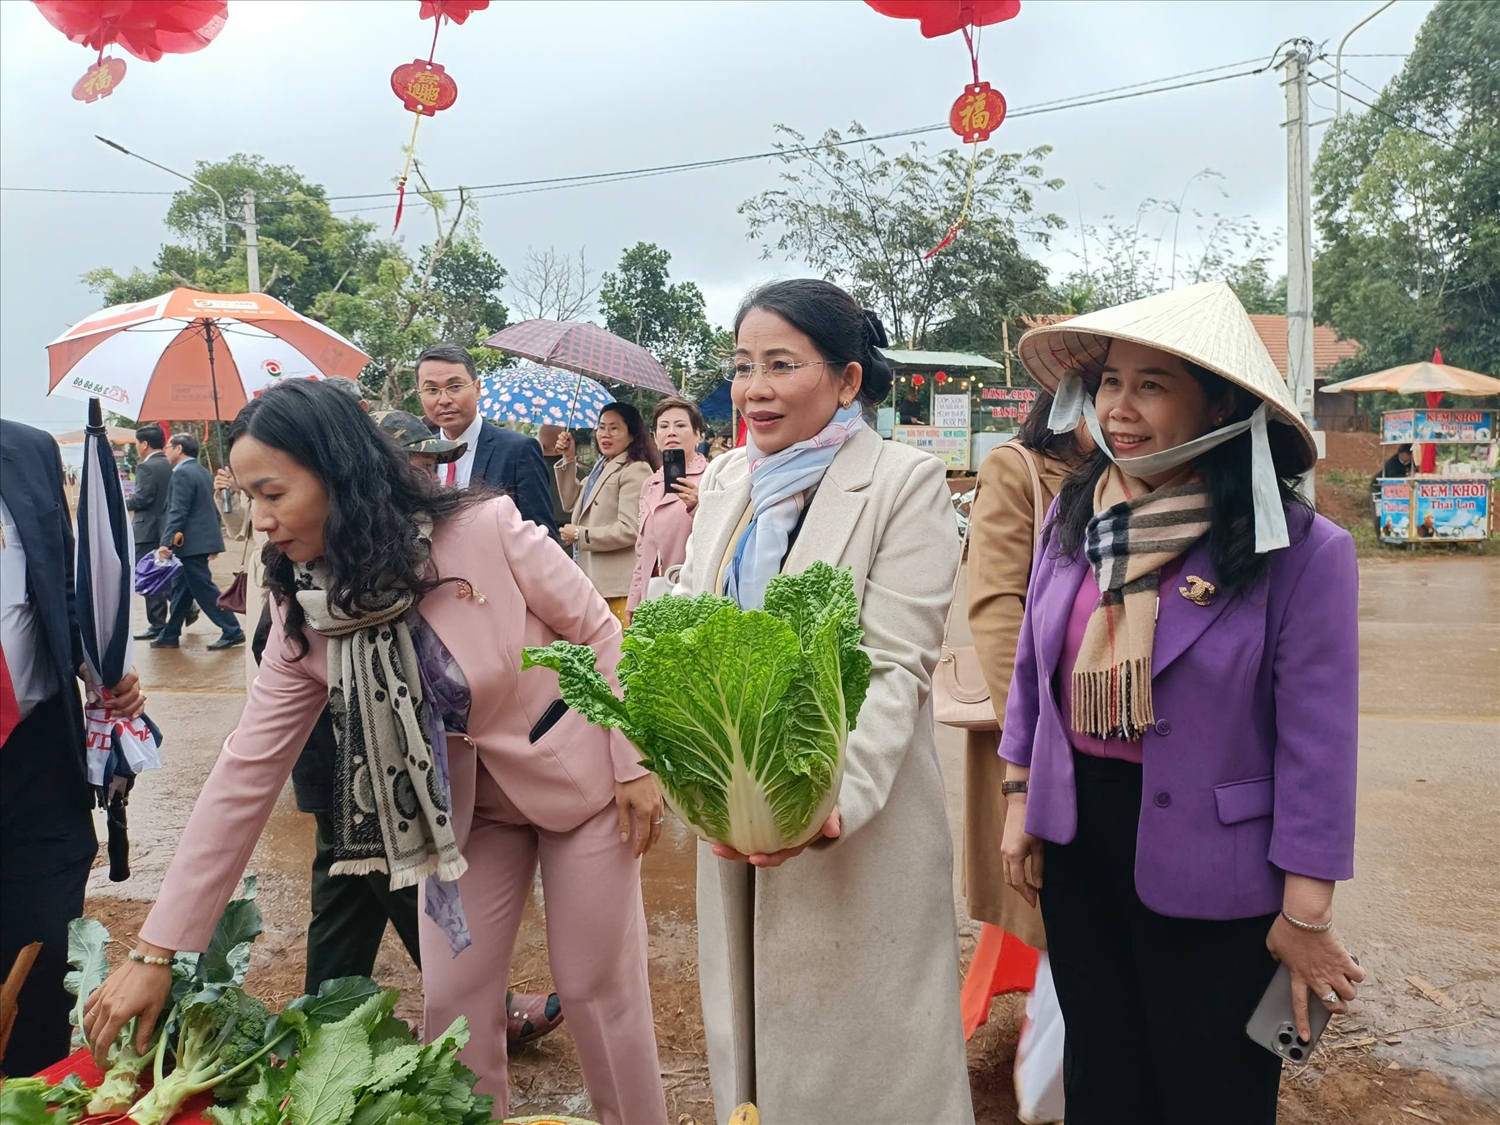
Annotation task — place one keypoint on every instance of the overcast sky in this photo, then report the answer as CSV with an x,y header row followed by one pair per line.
x,y
557,89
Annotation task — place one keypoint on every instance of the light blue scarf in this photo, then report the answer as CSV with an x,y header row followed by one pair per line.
x,y
777,483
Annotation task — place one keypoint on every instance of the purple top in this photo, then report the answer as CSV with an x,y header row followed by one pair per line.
x,y
1078,619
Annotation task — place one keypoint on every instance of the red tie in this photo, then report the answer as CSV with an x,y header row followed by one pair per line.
x,y
10,707
452,468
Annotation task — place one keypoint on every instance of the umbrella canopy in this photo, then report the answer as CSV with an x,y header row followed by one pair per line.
x,y
116,435
1419,378
718,406
545,396
193,356
586,349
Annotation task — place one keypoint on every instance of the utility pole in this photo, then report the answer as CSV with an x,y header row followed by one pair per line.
x,y
252,242
1299,293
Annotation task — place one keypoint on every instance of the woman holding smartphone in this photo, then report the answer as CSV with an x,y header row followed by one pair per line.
x,y
670,495
1181,728
606,501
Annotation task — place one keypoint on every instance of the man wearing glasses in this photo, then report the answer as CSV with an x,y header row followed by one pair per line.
x,y
501,458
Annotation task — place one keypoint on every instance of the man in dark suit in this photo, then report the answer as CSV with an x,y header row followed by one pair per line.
x,y
47,841
153,475
190,530
504,459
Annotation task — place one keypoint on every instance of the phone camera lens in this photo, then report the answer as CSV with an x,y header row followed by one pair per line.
x,y
1296,1053
1285,1038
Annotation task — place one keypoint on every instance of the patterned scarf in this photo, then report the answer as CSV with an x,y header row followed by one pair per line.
x,y
1134,533
777,484
391,810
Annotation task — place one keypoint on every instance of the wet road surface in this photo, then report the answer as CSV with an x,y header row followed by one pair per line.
x,y
1425,901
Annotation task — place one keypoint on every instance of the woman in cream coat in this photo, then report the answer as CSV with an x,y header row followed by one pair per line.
x,y
829,974
606,503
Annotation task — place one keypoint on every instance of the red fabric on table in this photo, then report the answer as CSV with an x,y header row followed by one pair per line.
x,y
1002,963
81,1063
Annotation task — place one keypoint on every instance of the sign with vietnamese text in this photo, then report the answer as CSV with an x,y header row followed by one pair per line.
x,y
950,444
949,412
1452,509
1008,394
1394,510
1471,427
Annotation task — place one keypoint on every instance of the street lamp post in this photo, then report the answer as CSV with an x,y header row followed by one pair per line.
x,y
1338,60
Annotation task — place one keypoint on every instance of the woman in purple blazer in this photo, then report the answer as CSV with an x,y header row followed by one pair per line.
x,y
1181,727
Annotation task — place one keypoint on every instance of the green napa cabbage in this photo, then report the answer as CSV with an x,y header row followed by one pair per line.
x,y
743,716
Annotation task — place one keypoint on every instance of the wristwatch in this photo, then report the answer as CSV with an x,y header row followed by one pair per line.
x,y
1009,787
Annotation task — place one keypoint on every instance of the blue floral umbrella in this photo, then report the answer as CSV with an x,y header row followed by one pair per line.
x,y
544,396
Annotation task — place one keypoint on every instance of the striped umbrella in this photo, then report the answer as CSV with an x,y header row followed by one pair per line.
x,y
119,747
544,396
586,349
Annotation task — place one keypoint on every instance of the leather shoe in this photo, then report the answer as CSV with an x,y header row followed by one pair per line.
x,y
227,642
529,1016
159,643
148,635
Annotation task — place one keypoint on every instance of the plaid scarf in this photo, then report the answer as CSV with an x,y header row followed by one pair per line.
x,y
391,813
1134,533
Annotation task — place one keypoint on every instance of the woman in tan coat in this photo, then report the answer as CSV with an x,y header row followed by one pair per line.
x,y
606,501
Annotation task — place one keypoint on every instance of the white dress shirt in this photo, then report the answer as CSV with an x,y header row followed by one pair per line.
x,y
20,628
463,468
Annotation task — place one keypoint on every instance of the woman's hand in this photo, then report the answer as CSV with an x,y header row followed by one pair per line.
x,y
224,481
687,493
831,829
1319,963
1017,847
568,533
642,813
133,989
127,697
565,447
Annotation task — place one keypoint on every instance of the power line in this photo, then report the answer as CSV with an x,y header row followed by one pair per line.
x,y
1407,125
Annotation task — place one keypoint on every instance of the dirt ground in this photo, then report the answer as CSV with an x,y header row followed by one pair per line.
x,y
1423,906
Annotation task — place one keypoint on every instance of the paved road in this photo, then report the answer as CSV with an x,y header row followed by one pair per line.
x,y
1425,901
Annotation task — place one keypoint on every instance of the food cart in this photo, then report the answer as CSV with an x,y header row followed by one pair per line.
x,y
1452,503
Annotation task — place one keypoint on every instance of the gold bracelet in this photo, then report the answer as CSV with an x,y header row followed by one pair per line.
x,y
141,959
1307,926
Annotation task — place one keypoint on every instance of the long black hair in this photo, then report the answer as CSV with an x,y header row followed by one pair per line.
x,y
1039,437
374,497
842,331
1226,473
641,447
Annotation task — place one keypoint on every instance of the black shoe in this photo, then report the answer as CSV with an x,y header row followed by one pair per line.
x,y
193,615
148,635
159,643
227,642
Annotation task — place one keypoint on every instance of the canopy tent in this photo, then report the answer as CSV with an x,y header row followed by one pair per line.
x,y
1419,378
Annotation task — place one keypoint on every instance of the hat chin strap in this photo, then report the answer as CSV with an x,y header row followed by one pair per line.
x,y
1073,401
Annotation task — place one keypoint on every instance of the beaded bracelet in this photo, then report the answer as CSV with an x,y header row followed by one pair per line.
x,y
1307,926
142,959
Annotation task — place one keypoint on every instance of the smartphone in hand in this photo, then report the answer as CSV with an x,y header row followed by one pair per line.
x,y
673,468
1274,1026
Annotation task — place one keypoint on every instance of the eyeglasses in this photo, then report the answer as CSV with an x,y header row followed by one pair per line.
x,y
742,370
452,390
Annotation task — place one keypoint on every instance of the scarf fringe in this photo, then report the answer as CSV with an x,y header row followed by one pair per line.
x,y
1115,702
372,866
447,872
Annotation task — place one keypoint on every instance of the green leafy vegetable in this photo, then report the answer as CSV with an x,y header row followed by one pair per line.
x,y
742,716
35,1101
87,941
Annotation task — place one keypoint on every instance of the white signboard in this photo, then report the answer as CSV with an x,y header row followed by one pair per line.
x,y
949,444
950,411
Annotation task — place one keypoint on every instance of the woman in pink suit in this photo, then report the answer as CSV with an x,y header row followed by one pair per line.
x,y
460,779
666,518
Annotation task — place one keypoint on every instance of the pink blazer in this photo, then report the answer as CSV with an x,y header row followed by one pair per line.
x,y
532,595
665,525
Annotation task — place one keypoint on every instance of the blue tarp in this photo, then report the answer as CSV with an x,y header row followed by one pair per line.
x,y
717,406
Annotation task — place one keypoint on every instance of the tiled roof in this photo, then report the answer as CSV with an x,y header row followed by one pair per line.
x,y
1328,349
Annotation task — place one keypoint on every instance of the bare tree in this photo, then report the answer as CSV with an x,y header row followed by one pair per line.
x,y
553,286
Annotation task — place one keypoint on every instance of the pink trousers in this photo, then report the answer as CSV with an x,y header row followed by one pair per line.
x,y
596,941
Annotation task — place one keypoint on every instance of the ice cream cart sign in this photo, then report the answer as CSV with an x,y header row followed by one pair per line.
x,y
950,444
1395,511
1459,426
1452,509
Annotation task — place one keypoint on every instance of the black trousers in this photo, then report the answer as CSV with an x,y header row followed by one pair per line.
x,y
194,583
1155,1007
47,846
156,604
349,917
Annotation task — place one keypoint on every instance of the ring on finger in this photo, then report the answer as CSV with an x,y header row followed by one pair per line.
x,y
1331,998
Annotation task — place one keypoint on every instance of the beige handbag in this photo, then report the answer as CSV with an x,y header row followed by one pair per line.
x,y
662,581
960,697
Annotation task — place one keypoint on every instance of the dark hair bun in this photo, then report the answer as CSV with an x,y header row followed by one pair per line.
x,y
876,329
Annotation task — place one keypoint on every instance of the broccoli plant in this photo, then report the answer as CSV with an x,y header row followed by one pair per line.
x,y
121,1083
218,1044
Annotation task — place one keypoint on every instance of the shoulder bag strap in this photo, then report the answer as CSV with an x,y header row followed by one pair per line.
x,y
963,551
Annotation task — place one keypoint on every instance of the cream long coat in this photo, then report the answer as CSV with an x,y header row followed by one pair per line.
x,y
830,984
607,521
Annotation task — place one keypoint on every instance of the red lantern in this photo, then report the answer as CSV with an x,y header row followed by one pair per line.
x,y
424,87
917,380
99,81
455,11
943,17
977,113
147,29
941,377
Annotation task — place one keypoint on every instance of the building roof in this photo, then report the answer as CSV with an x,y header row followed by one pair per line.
x,y
902,358
1328,349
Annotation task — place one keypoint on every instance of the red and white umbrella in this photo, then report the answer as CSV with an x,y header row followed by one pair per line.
x,y
193,356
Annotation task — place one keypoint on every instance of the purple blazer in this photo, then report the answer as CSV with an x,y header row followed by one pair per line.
x,y
1250,770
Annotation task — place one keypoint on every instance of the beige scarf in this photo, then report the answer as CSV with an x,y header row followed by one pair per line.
x,y
1134,533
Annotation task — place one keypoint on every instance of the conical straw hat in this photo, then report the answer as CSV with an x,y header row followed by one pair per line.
x,y
1202,323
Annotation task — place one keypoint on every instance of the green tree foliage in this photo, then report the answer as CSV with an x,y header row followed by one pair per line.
x,y
1409,223
640,303
331,268
867,219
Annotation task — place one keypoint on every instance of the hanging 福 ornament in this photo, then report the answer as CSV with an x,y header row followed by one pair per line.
x,y
980,109
423,86
147,29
